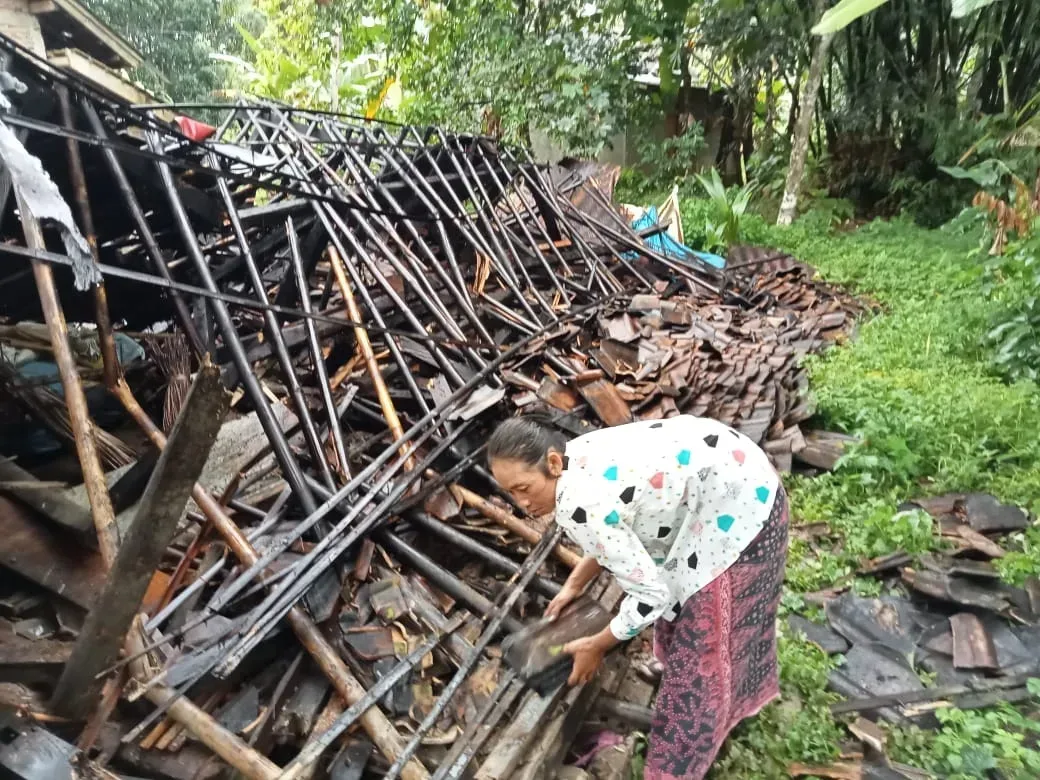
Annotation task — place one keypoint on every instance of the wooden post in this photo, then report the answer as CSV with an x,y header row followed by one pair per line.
x,y
106,339
152,529
386,403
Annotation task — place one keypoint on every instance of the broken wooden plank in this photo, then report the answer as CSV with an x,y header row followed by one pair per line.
x,y
972,645
30,661
919,695
42,555
50,503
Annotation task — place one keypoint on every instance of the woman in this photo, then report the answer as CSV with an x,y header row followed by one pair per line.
x,y
691,519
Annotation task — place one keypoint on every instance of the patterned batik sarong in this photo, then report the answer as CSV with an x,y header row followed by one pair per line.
x,y
719,657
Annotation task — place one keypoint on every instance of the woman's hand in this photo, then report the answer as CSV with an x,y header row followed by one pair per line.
x,y
567,594
588,656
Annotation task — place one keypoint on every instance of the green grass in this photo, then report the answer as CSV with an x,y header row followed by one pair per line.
x,y
934,417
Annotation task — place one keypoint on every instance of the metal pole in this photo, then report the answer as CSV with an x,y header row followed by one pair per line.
x,y
316,356
283,454
274,333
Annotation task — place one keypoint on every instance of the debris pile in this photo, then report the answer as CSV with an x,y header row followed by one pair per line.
x,y
283,552
947,631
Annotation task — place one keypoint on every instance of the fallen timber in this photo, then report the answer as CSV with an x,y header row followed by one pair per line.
x,y
374,299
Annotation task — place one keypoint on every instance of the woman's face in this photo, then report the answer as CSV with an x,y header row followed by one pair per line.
x,y
532,487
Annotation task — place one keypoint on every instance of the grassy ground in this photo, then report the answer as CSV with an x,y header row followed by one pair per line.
x,y
918,387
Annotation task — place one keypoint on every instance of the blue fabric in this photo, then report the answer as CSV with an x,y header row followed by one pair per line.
x,y
669,247
31,439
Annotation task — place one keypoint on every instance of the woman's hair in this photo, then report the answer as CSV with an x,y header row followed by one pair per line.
x,y
527,439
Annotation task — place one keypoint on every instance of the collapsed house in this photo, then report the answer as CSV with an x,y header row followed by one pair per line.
x,y
292,331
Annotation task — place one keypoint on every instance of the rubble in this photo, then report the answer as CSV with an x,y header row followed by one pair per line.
x,y
946,631
326,580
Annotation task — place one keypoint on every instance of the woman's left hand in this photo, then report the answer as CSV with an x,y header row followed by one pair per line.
x,y
588,655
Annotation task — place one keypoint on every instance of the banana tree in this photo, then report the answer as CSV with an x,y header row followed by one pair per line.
x,y
345,85
848,11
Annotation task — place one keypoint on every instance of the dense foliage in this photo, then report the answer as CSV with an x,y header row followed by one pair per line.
x,y
176,38
908,88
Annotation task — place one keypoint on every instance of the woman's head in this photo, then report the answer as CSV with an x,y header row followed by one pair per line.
x,y
526,457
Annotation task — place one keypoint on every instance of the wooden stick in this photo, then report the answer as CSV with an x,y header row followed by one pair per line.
x,y
109,699
106,339
928,694
509,521
386,403
79,415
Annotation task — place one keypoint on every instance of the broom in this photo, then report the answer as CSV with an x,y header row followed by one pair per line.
x,y
170,355
49,409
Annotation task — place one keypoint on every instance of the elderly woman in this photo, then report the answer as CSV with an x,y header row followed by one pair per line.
x,y
691,519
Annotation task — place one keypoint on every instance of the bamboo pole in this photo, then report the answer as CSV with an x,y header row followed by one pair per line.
x,y
106,339
386,403
509,521
79,415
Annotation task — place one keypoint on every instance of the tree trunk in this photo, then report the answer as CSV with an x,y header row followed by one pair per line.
x,y
769,130
803,130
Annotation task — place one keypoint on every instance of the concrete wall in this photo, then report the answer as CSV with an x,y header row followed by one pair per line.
x,y
623,149
21,26
545,151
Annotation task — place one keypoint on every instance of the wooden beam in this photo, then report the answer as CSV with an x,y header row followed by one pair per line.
x,y
100,75
30,661
90,23
140,553
50,503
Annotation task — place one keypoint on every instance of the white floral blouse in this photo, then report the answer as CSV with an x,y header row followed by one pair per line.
x,y
666,506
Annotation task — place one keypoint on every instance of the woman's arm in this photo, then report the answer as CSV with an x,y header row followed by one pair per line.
x,y
584,573
579,578
620,551
588,654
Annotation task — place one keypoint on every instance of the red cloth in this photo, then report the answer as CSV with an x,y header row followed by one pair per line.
x,y
719,657
194,129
